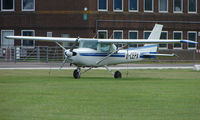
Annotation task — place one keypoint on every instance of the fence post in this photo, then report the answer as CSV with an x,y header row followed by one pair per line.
x,y
38,54
194,57
15,54
47,55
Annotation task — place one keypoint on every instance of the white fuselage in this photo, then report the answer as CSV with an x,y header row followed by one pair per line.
x,y
87,57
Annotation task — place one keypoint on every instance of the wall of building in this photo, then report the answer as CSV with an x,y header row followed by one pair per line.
x,y
66,17
144,21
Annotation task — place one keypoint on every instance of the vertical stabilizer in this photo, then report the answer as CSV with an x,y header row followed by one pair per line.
x,y
155,34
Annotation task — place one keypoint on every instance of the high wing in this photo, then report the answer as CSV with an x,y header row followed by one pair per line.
x,y
47,39
60,39
144,41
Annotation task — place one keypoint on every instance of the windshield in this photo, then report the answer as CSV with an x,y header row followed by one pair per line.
x,y
88,44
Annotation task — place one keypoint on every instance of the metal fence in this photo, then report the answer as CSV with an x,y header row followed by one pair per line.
x,y
55,54
31,54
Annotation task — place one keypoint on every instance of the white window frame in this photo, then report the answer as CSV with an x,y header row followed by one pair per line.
x,y
102,31
133,10
164,48
7,10
159,7
102,9
195,41
133,31
180,38
23,40
196,7
28,9
181,7
149,10
118,10
2,35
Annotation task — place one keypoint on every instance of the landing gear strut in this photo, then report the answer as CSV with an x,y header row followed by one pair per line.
x,y
117,74
77,72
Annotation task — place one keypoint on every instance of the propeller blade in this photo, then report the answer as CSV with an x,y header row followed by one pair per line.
x,y
74,45
63,63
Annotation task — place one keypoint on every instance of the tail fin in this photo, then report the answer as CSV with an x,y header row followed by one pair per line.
x,y
155,34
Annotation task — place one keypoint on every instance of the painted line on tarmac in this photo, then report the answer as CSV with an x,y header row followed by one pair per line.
x,y
99,68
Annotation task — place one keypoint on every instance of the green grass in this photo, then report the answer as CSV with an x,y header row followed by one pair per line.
x,y
143,94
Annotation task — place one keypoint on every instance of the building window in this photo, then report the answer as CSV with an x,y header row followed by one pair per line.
x,y
102,5
66,44
163,5
118,5
4,41
192,6
178,4
133,35
177,35
28,43
28,5
118,34
148,5
102,34
192,36
7,5
164,35
49,34
133,5
146,34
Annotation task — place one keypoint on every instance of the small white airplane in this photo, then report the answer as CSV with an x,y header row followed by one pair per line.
x,y
103,52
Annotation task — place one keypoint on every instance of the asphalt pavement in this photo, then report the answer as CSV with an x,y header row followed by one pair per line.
x,y
42,65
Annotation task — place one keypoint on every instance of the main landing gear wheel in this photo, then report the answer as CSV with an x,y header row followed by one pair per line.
x,y
76,74
117,74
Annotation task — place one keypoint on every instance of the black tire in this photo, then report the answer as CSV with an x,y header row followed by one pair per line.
x,y
118,74
76,74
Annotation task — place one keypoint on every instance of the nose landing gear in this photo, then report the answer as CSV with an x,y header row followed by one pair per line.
x,y
76,74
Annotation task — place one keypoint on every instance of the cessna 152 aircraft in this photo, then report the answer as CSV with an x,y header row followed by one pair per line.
x,y
103,52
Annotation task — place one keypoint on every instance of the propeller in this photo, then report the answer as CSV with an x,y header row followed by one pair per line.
x,y
74,45
68,53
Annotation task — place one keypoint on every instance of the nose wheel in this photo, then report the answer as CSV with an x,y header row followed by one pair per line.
x,y
76,74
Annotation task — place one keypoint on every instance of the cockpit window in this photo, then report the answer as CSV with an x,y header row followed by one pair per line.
x,y
105,47
88,44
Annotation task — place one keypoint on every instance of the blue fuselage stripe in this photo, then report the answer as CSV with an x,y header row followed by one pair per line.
x,y
101,55
116,55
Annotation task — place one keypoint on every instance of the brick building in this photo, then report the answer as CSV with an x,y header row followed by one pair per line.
x,y
100,18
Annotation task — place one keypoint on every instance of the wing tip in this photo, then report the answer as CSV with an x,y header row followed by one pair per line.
x,y
189,41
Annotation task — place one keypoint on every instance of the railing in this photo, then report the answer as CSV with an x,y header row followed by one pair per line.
x,y
30,54
55,54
